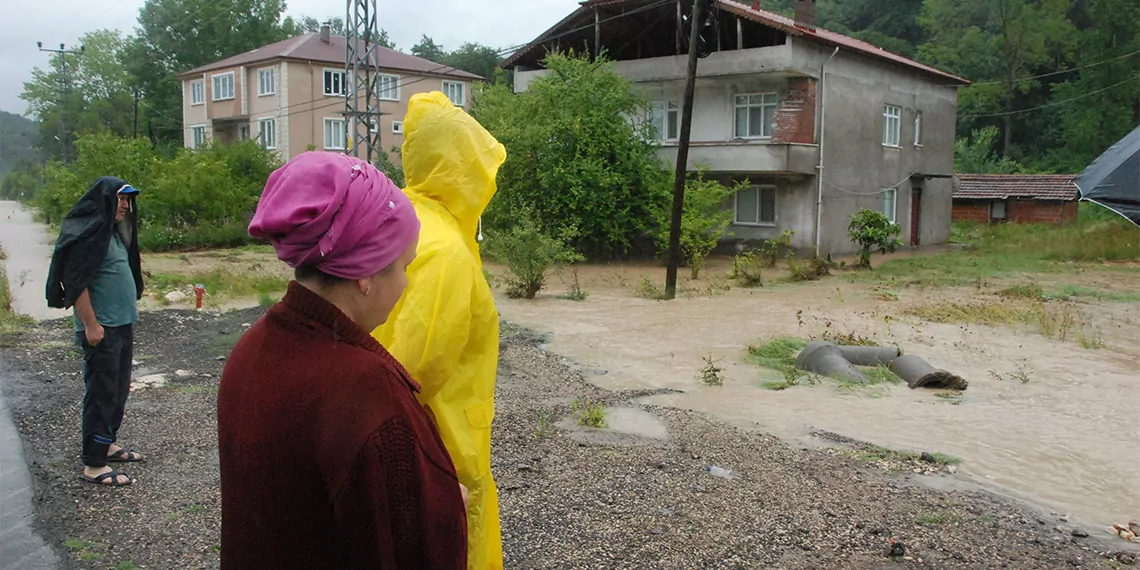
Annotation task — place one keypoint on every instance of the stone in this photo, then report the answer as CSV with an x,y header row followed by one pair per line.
x,y
1080,533
927,457
151,381
176,296
183,373
1064,518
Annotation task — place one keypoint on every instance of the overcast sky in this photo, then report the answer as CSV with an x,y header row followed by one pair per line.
x,y
498,23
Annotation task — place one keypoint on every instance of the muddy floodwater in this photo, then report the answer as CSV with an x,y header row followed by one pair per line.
x,y
1043,420
28,246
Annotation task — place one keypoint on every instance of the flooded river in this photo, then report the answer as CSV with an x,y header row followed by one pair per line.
x,y
1044,421
28,246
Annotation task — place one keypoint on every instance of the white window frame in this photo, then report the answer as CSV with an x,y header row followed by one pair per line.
x,y
461,86
397,127
889,205
325,82
892,125
759,217
197,87
384,93
267,142
198,136
665,109
261,75
343,132
918,128
216,81
747,106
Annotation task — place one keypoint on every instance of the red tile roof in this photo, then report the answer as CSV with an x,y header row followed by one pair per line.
x,y
787,25
310,47
1005,186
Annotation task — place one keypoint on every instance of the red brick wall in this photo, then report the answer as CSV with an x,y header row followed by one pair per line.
x,y
795,121
1017,211
971,211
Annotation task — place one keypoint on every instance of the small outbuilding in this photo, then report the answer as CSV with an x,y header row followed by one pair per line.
x,y
1020,198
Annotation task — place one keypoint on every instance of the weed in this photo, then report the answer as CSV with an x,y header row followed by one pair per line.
x,y
777,352
953,398
1034,292
746,269
938,518
1073,292
544,428
84,550
126,565
193,390
813,268
887,296
879,454
774,247
1020,373
264,299
10,322
1054,322
1090,338
846,339
711,374
647,289
882,375
791,377
590,414
221,283
576,293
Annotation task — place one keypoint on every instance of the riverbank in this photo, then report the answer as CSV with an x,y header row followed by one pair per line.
x,y
635,496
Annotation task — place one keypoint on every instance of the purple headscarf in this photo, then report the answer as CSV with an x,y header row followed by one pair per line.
x,y
336,212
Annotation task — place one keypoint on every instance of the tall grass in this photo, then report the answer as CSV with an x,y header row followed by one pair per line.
x,y
1059,321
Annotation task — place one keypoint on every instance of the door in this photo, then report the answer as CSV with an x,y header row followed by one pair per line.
x,y
915,215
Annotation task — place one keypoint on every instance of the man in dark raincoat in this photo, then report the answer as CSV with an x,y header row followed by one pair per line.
x,y
95,269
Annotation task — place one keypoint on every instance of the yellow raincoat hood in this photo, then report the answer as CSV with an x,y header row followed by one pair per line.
x,y
445,329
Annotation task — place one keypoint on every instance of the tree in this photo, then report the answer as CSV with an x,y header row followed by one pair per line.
x,y
574,158
975,155
19,138
872,231
890,24
703,220
475,58
429,50
309,24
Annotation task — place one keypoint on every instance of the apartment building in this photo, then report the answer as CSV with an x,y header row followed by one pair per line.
x,y
820,124
290,96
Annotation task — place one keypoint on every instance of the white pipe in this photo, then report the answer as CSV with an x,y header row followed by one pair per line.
x,y
819,169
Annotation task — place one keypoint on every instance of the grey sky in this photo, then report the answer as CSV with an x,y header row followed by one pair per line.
x,y
498,23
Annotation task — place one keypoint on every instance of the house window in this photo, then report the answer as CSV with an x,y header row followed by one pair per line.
x,y
336,84
755,115
224,86
918,129
890,203
891,125
266,82
454,91
398,127
267,133
199,136
197,92
388,87
666,120
334,134
997,210
755,206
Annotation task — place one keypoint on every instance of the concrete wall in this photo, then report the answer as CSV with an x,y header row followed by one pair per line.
x,y
194,115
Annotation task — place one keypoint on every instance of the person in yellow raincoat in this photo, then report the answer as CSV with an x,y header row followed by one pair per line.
x,y
445,329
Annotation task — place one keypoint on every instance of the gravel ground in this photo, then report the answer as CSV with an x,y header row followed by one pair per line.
x,y
569,498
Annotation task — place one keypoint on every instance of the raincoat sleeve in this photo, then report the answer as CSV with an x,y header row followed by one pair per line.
x,y
433,320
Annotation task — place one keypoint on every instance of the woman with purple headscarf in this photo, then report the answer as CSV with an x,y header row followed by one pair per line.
x,y
327,459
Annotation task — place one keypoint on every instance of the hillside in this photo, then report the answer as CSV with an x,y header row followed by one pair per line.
x,y
17,140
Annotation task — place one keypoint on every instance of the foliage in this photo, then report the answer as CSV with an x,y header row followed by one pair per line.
x,y
21,183
872,231
773,248
528,253
647,289
711,374
590,414
703,220
573,159
814,268
19,139
429,50
309,24
475,58
746,269
776,352
198,198
393,171
975,155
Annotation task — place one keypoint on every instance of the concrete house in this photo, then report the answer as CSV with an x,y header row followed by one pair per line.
x,y
1018,198
290,95
820,124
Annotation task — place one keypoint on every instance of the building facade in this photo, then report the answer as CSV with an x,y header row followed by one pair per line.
x,y
290,96
1017,198
819,124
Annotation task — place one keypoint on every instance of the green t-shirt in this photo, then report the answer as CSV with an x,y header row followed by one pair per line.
x,y
113,292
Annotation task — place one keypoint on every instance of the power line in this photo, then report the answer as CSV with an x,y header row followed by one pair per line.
x,y
1047,105
1059,72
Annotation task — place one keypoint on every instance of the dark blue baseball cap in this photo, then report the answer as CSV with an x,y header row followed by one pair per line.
x,y
128,189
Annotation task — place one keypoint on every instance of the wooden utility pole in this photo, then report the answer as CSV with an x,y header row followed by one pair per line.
x,y
136,112
683,154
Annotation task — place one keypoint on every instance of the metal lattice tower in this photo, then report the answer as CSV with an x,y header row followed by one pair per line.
x,y
362,101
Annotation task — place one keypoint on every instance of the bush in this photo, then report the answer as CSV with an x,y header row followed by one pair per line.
x,y
528,253
774,248
746,269
872,231
703,221
811,269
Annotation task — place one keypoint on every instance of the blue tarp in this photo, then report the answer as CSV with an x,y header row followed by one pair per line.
x,y
1113,179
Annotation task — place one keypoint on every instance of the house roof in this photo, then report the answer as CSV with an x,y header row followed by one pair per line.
x,y
310,47
782,23
1005,186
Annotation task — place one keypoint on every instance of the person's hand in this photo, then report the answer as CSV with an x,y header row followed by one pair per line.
x,y
463,491
94,335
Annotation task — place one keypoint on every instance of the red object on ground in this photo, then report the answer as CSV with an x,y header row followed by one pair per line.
x,y
199,292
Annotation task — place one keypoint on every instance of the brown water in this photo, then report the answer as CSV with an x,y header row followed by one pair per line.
x,y
28,246
1067,440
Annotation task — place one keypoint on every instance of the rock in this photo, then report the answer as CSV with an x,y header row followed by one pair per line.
x,y
952,469
896,549
1064,518
220,358
665,512
524,467
183,373
699,488
1080,533
927,457
1126,559
176,296
657,531
1059,529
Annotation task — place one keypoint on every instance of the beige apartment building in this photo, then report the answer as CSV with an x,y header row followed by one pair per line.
x,y
290,96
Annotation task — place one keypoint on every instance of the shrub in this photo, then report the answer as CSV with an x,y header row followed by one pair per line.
x,y
528,253
647,289
773,248
811,269
711,374
703,221
590,414
746,269
872,231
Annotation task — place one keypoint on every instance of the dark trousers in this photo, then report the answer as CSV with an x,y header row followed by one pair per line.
x,y
107,373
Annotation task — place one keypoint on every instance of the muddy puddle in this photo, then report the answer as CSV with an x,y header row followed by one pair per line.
x,y
1045,421
28,246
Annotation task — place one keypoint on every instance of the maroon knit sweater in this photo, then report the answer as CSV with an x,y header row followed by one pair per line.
x,y
327,459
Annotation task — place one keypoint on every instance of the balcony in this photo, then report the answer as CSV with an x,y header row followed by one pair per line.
x,y
748,157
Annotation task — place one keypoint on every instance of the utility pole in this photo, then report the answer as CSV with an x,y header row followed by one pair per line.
x,y
65,91
362,96
683,153
136,121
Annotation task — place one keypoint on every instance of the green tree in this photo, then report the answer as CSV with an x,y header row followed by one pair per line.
x,y
872,231
975,155
19,139
475,58
429,50
574,159
309,24
890,24
703,220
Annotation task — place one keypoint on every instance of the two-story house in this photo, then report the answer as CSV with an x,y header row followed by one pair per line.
x,y
820,124
290,95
